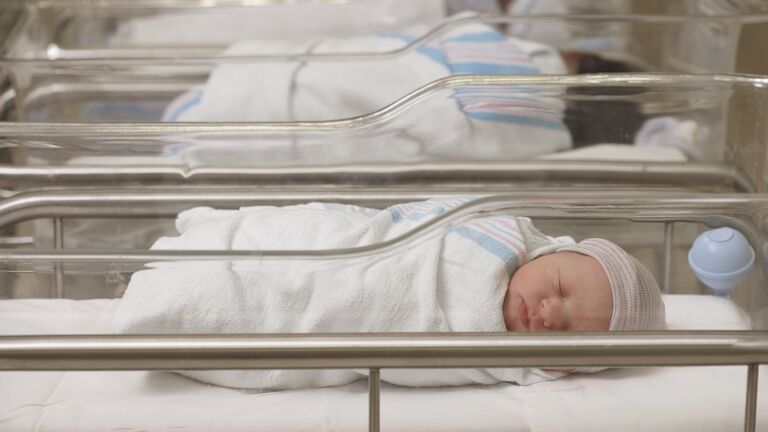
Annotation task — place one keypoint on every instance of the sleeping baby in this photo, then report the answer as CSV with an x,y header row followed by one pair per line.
x,y
436,269
590,286
480,122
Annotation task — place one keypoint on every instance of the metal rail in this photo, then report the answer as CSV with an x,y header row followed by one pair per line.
x,y
58,244
142,202
750,414
669,234
386,350
376,351
374,399
480,174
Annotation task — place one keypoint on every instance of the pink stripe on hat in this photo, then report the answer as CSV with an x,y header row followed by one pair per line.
x,y
637,303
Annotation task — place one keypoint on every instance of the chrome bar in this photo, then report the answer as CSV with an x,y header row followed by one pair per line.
x,y
480,172
374,400
750,415
137,202
669,232
58,244
414,350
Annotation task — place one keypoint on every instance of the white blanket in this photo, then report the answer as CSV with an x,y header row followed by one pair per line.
x,y
466,123
450,280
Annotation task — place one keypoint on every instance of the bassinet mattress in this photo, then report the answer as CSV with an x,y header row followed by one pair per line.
x,y
634,399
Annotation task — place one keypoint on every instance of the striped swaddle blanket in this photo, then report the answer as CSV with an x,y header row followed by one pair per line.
x,y
481,50
451,278
467,123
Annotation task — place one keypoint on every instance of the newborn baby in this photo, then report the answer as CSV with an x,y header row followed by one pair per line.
x,y
470,122
592,286
482,272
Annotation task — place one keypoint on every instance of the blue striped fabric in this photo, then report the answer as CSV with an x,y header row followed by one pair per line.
x,y
492,53
417,211
487,52
500,236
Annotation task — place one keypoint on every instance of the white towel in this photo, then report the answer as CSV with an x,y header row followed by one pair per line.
x,y
467,123
452,280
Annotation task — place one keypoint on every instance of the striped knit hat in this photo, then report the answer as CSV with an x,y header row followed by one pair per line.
x,y
637,303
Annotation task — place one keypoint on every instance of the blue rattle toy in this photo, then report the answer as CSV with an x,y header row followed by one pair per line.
x,y
721,258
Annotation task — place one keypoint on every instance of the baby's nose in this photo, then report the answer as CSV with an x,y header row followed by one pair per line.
x,y
551,314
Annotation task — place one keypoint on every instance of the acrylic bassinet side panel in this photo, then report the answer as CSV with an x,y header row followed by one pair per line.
x,y
99,43
101,261
572,122
639,223
747,132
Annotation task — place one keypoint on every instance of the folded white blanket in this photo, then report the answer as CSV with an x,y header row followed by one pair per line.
x,y
466,123
454,279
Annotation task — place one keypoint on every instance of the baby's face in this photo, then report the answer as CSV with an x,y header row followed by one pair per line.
x,y
563,291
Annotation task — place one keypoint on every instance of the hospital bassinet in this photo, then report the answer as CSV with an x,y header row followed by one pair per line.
x,y
706,331
88,192
78,218
82,61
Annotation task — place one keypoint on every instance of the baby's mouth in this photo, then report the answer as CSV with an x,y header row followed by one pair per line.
x,y
523,311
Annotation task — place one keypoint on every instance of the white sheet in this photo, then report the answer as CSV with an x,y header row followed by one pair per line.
x,y
640,399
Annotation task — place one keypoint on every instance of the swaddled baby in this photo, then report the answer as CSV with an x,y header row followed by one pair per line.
x,y
471,122
486,273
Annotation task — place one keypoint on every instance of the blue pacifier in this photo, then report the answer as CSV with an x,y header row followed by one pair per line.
x,y
721,258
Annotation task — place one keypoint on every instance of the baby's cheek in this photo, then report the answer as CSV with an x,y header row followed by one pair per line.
x,y
519,279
